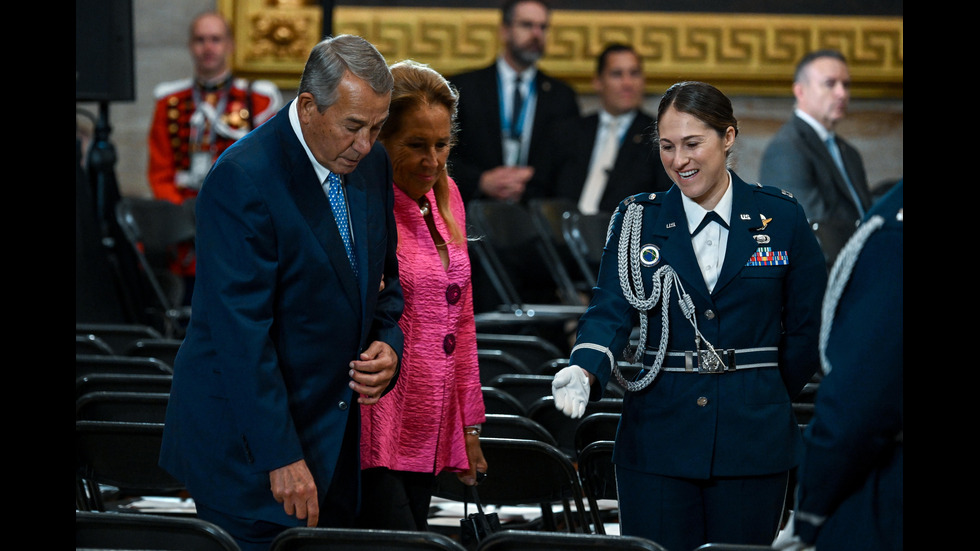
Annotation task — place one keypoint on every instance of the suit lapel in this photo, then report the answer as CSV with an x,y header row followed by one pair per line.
x,y
357,199
312,203
819,150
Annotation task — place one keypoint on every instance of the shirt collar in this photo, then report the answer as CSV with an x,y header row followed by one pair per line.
x,y
817,127
695,212
624,120
507,73
321,171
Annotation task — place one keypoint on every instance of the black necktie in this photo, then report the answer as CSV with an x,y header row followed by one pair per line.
x,y
710,216
516,107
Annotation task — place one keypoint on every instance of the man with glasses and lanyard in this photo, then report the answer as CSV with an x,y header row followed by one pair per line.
x,y
505,110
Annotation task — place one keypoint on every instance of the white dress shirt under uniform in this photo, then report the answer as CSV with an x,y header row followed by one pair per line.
x,y
710,243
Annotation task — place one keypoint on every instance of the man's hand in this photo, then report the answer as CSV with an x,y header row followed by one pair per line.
x,y
371,374
570,388
293,486
506,183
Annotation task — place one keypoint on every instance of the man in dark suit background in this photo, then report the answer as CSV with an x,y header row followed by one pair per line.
x,y
290,330
499,148
579,170
799,159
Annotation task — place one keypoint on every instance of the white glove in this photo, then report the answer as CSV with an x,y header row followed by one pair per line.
x,y
570,388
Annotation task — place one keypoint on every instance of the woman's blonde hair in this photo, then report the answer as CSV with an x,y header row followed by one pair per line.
x,y
416,85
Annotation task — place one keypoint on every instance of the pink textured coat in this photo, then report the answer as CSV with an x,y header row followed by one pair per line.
x,y
418,425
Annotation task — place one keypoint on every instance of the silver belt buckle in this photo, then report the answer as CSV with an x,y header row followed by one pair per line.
x,y
710,362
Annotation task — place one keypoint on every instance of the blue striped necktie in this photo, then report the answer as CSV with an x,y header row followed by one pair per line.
x,y
339,206
839,161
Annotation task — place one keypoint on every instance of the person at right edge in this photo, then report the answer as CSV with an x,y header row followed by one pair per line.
x,y
808,159
850,490
729,314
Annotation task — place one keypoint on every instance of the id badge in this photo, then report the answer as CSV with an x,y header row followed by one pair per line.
x,y
512,151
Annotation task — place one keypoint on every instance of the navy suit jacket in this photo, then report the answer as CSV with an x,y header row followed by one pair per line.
x,y
478,145
850,493
738,423
261,379
637,168
797,161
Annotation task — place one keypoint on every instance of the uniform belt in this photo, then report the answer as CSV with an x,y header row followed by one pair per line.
x,y
727,360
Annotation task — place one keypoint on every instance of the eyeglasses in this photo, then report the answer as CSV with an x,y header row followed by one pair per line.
x,y
530,25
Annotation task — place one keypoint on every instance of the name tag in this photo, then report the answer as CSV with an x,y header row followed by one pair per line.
x,y
765,256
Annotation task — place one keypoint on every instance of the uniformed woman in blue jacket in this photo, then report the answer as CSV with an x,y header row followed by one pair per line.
x,y
726,279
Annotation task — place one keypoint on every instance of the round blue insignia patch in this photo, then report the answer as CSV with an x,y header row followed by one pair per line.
x,y
649,255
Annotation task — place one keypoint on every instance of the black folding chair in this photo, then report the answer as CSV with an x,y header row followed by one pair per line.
x,y
345,539
523,540
562,427
586,237
494,363
120,455
498,425
526,472
598,476
101,530
498,401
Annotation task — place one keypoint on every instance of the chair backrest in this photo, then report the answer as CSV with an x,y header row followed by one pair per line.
x,y
523,540
346,539
525,472
598,475
122,382
87,364
124,455
161,349
526,387
118,336
100,530
515,426
510,240
533,350
594,427
155,230
562,427
497,362
734,547
586,237
158,226
129,407
498,401
92,345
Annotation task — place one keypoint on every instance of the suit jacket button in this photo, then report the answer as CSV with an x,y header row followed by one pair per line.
x,y
342,405
702,401
449,344
710,314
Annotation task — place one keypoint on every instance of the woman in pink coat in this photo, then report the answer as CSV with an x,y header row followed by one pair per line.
x,y
430,421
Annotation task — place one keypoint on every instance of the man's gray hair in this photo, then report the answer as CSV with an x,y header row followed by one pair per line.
x,y
332,58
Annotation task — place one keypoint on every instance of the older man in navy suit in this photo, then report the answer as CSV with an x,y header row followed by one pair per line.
x,y
295,310
806,157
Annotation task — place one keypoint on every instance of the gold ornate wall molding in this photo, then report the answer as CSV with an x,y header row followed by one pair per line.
x,y
740,53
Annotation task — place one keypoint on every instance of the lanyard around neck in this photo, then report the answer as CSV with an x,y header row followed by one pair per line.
x,y
505,125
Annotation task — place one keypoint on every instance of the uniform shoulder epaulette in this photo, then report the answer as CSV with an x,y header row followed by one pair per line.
x,y
165,89
775,192
645,198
